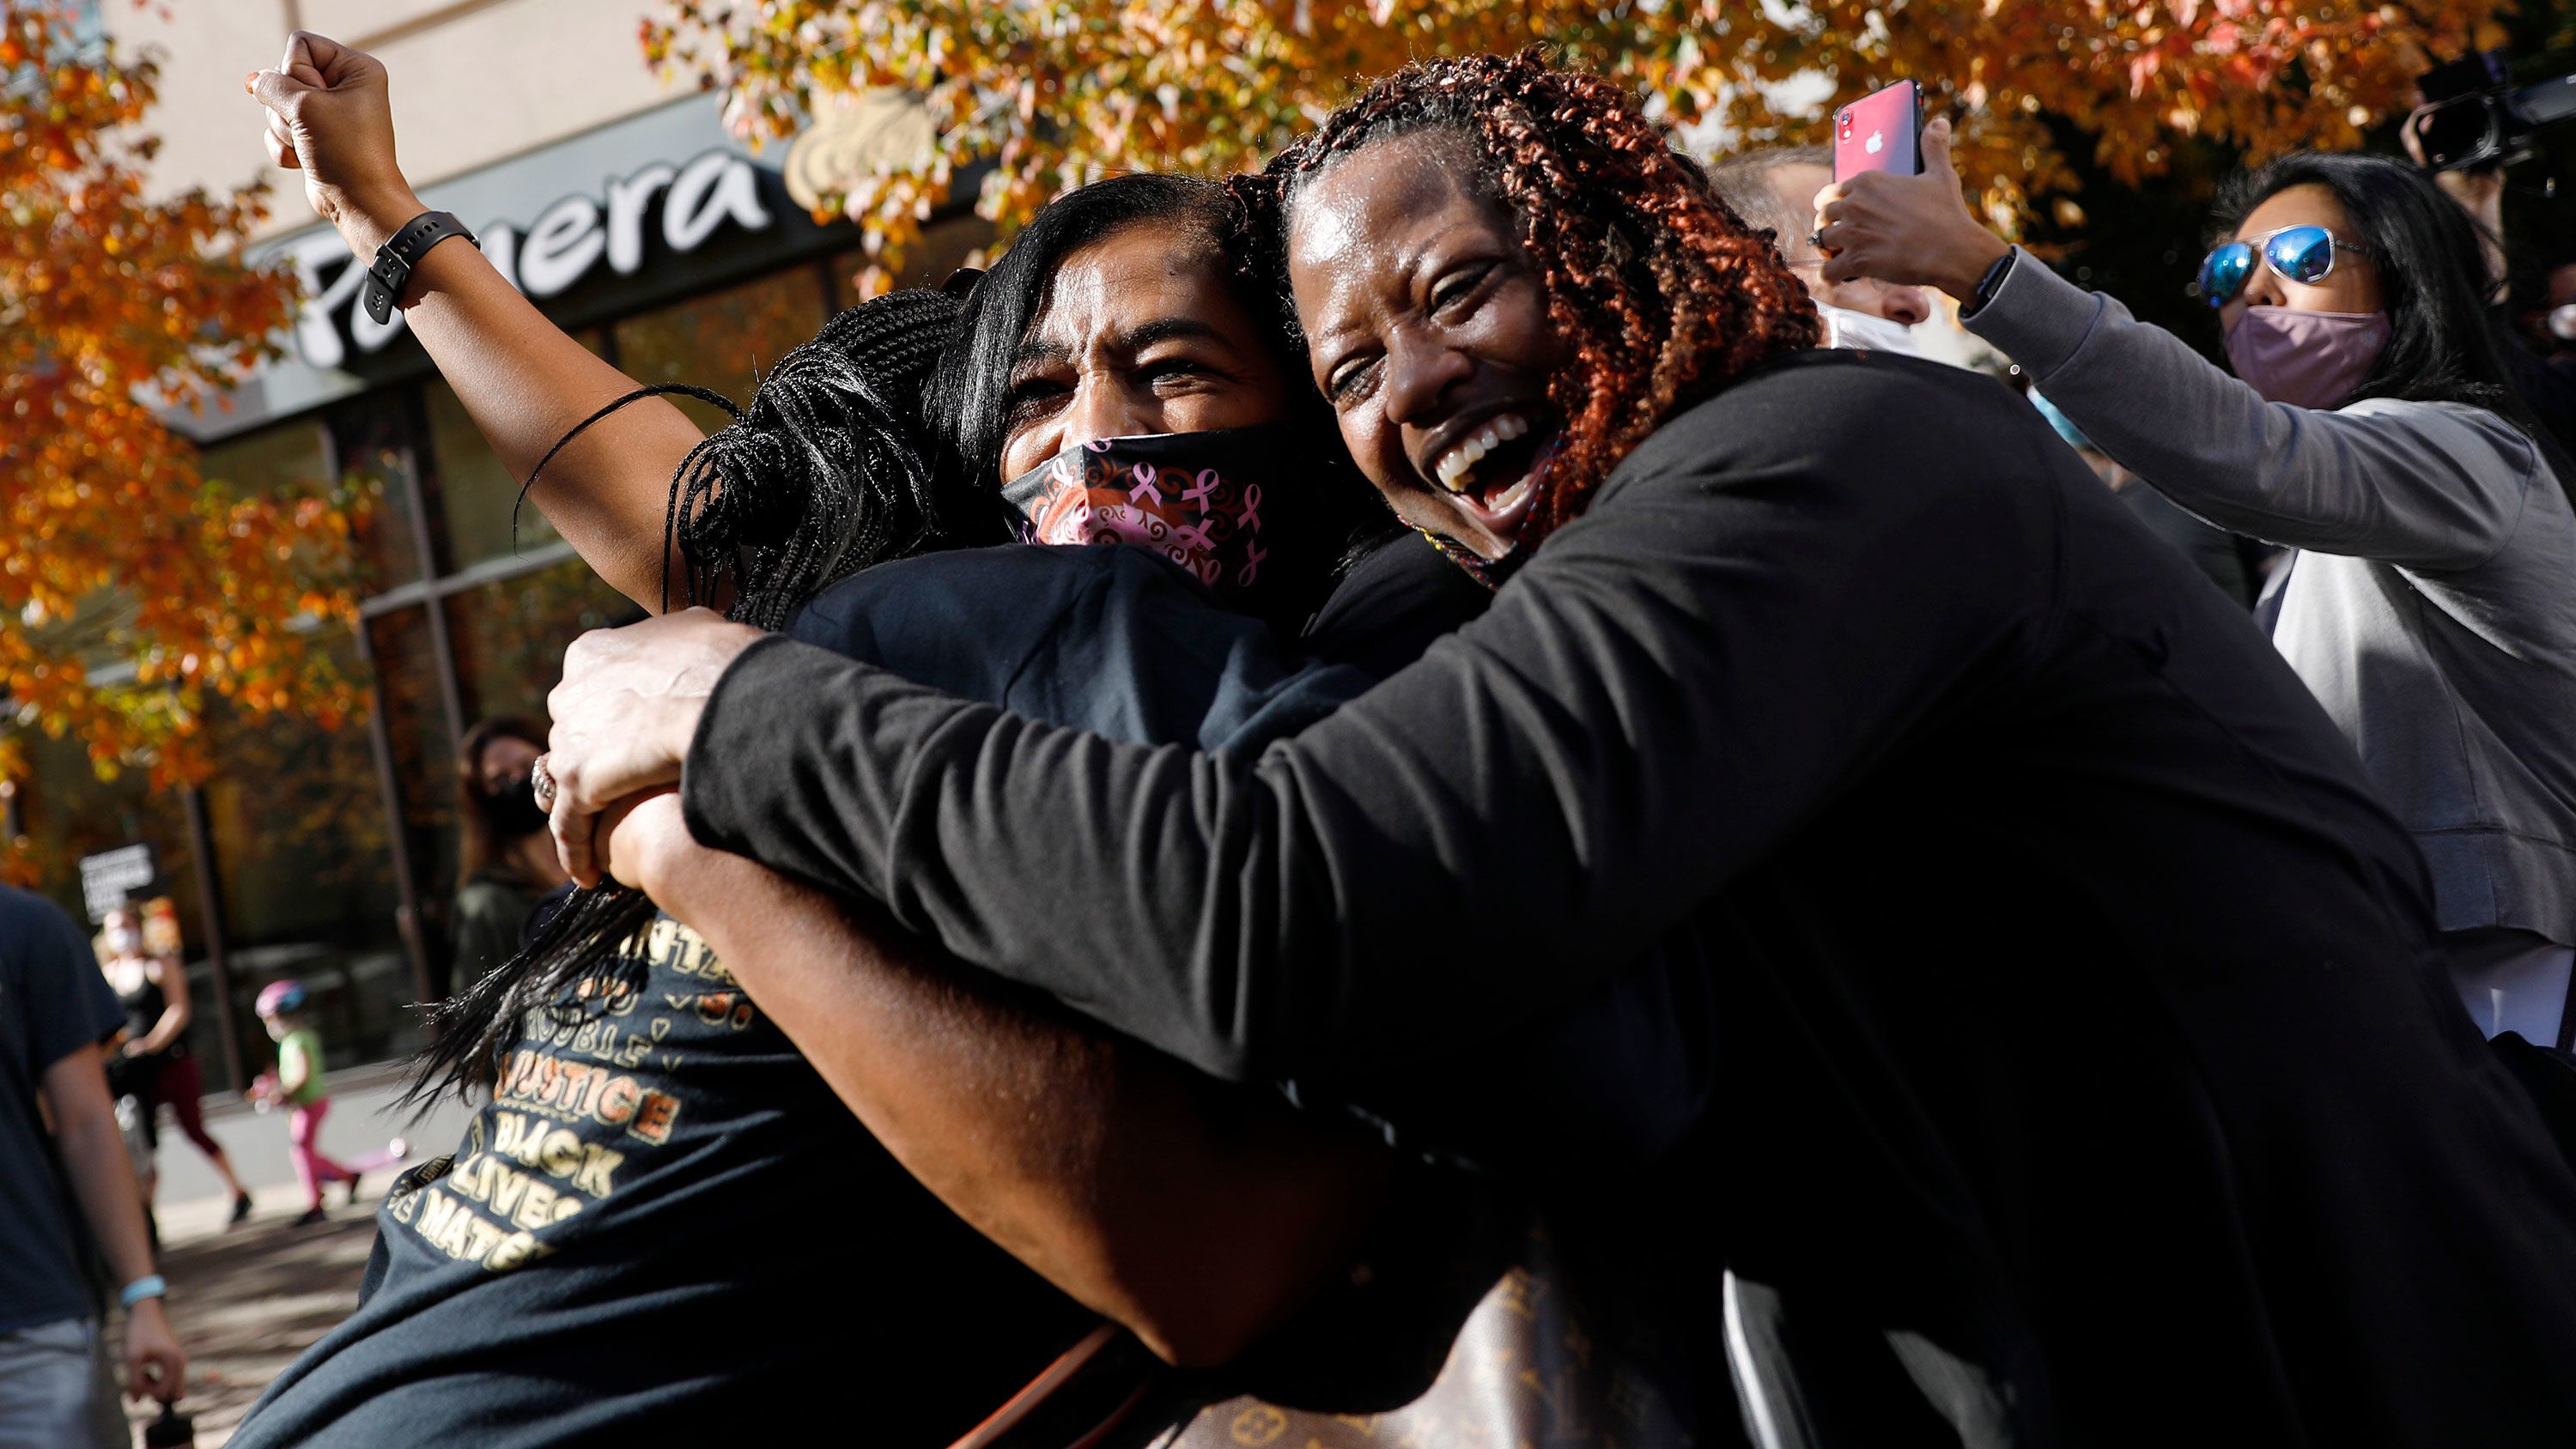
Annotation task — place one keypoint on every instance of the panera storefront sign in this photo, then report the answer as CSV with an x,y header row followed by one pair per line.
x,y
634,215
677,207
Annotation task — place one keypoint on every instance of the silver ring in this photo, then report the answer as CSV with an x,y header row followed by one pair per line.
x,y
541,781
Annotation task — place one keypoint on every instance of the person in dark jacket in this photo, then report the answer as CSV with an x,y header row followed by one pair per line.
x,y
2090,1072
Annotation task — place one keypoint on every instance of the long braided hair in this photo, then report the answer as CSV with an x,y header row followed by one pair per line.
x,y
825,473
1661,295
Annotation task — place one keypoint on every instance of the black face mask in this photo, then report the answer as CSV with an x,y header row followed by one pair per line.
x,y
514,808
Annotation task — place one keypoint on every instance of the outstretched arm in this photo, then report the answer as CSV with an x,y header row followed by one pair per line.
x,y
1198,1216
2429,486
523,381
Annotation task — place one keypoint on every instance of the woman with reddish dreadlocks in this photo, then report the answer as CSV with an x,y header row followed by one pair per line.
x,y
2016,859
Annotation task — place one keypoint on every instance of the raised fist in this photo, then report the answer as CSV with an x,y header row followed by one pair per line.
x,y
329,116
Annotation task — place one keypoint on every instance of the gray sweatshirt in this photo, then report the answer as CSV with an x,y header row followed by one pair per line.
x,y
2431,604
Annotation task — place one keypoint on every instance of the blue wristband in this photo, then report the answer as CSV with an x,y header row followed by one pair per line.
x,y
149,1286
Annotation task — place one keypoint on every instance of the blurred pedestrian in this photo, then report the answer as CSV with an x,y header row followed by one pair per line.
x,y
2372,426
55,1012
158,1066
505,860
298,1084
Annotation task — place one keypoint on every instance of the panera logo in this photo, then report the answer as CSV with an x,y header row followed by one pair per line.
x,y
683,205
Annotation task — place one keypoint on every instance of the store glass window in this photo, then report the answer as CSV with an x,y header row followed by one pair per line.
x,y
305,872
475,492
377,479
66,811
296,458
510,636
723,340
423,750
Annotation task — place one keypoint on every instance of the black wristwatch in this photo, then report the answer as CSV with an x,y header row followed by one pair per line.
x,y
401,252
1990,283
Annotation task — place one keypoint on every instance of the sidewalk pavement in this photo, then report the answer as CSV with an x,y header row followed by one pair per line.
x,y
246,1300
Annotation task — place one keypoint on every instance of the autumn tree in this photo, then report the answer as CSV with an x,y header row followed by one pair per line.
x,y
1057,92
133,590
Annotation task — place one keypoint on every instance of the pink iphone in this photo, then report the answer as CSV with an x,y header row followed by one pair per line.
x,y
1879,132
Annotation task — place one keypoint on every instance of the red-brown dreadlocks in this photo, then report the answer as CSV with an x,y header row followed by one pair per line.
x,y
1661,295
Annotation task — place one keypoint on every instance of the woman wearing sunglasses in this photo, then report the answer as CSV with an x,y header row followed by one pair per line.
x,y
2372,427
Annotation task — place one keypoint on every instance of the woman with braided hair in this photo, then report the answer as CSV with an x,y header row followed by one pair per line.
x,y
2013,857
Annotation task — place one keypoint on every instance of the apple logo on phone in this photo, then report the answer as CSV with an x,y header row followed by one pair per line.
x,y
1877,142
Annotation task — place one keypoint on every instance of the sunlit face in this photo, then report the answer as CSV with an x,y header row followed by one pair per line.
x,y
2353,285
1138,334
1428,333
505,762
1796,184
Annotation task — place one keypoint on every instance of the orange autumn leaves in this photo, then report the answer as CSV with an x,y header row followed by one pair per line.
x,y
1058,92
130,586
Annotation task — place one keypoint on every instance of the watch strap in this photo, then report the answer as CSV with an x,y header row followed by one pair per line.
x,y
1990,283
390,274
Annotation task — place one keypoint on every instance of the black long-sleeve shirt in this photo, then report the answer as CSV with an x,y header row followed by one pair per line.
x,y
1831,590
2084,1011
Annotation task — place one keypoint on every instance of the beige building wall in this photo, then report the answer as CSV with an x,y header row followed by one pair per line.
x,y
473,81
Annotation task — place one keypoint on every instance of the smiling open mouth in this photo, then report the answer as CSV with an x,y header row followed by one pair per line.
x,y
1494,472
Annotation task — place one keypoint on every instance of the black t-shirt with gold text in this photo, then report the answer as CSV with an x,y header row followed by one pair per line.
x,y
664,1223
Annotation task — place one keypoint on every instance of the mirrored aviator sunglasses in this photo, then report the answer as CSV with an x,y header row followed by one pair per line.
x,y
2302,254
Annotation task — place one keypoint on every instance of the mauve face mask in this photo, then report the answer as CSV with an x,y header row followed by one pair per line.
x,y
1194,498
2306,359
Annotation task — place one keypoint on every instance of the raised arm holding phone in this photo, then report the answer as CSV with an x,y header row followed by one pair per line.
x,y
2371,424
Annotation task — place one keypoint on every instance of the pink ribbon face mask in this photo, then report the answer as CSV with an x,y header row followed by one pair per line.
x,y
1194,498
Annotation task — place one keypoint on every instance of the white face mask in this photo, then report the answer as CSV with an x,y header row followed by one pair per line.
x,y
2562,322
1866,332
